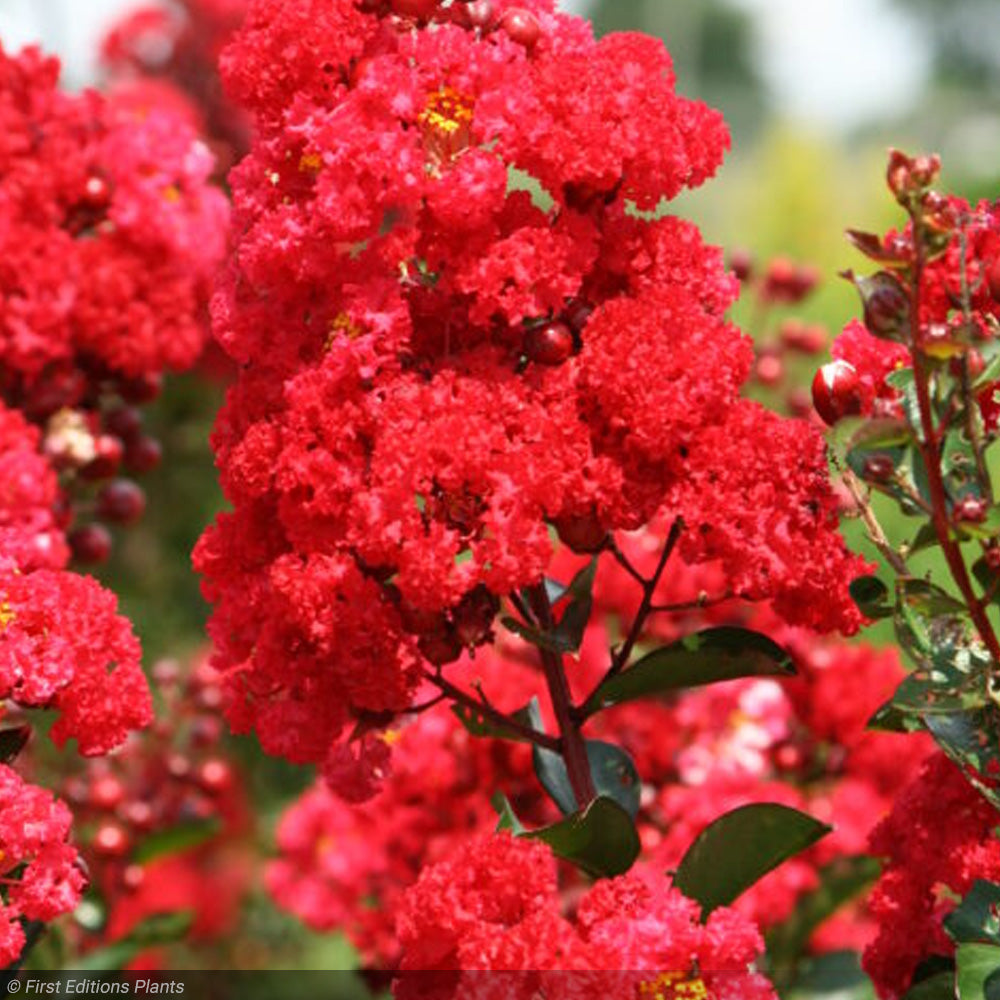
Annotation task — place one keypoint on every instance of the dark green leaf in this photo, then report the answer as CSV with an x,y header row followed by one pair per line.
x,y
937,987
977,919
871,596
12,742
716,654
836,975
161,928
484,728
972,740
176,839
925,538
976,964
611,768
567,634
740,848
601,840
507,817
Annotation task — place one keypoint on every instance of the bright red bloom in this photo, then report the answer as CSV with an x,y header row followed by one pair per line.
x,y
34,828
928,866
421,201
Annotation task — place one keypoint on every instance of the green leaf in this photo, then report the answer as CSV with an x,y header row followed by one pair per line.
x,y
161,928
925,538
977,918
708,657
611,768
972,740
12,742
176,839
507,817
836,975
601,840
976,965
937,987
484,728
740,848
839,882
566,635
871,595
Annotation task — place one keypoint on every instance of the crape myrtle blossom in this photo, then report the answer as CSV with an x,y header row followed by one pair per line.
x,y
456,338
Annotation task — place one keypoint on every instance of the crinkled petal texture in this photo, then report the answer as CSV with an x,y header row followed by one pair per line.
x,y
64,646
46,879
110,231
455,333
494,906
929,865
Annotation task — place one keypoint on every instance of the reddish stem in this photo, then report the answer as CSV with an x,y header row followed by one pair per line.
x,y
572,745
930,449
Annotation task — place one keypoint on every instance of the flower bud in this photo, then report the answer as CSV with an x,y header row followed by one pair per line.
x,y
550,345
837,392
522,26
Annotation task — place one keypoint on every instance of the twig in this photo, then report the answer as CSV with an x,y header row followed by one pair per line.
x,y
875,533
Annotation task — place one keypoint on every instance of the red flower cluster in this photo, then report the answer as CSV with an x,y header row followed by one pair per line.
x,y
168,55
495,906
41,874
929,865
456,335
62,643
109,236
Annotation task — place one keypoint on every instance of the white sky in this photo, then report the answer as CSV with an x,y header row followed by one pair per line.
x,y
834,63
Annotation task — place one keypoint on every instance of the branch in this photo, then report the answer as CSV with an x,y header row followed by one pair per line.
x,y
875,533
488,712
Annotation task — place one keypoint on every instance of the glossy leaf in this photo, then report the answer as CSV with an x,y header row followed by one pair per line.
x,y
740,848
871,596
12,742
566,634
601,840
484,728
611,768
977,965
972,740
940,986
977,919
708,657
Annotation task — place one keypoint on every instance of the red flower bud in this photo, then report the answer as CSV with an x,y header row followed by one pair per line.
x,y
769,370
112,841
522,26
106,793
837,392
442,647
550,345
741,263
418,9
91,545
583,534
214,775
143,455
971,510
879,468
473,617
121,502
993,277
107,459
479,14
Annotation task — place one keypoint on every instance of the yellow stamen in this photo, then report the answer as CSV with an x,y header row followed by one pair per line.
x,y
172,193
447,122
311,163
7,615
674,986
342,324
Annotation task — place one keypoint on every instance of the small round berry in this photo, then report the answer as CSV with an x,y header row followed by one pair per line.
x,y
741,263
142,388
121,502
837,392
442,647
214,775
91,545
123,421
96,192
522,26
112,841
108,453
971,510
138,814
106,792
133,877
769,370
584,534
479,14
419,9
551,344
578,314
143,454
473,617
